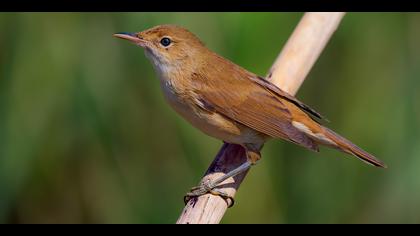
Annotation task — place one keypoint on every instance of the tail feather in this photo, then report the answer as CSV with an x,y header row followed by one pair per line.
x,y
348,147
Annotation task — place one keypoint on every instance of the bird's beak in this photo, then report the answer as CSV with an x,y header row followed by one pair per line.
x,y
132,37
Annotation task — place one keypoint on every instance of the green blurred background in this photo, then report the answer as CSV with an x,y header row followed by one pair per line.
x,y
86,137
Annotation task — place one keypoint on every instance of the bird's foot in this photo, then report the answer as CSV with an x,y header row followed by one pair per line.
x,y
208,187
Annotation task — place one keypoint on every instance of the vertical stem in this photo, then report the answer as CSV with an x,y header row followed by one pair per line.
x,y
303,49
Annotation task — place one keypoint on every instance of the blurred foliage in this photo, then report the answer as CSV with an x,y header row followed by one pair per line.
x,y
86,137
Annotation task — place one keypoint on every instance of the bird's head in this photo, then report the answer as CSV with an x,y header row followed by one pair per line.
x,y
167,45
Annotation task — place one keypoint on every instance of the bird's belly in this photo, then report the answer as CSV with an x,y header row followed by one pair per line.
x,y
213,124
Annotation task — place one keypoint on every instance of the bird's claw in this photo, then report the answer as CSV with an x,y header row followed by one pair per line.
x,y
205,188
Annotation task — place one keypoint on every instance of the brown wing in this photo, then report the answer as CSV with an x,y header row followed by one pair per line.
x,y
266,84
251,105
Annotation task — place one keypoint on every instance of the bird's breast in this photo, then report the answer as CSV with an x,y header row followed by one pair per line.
x,y
211,123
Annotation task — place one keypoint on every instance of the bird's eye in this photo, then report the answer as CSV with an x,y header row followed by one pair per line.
x,y
165,42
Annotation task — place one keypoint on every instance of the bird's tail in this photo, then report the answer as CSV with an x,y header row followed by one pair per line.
x,y
346,146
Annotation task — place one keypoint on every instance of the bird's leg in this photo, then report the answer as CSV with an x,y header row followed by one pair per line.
x,y
209,187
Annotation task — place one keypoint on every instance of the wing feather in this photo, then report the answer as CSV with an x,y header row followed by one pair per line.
x,y
253,106
266,84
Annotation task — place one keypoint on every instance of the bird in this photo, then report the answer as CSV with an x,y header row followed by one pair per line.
x,y
229,103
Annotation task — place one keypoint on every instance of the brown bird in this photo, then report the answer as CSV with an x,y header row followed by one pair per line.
x,y
229,103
